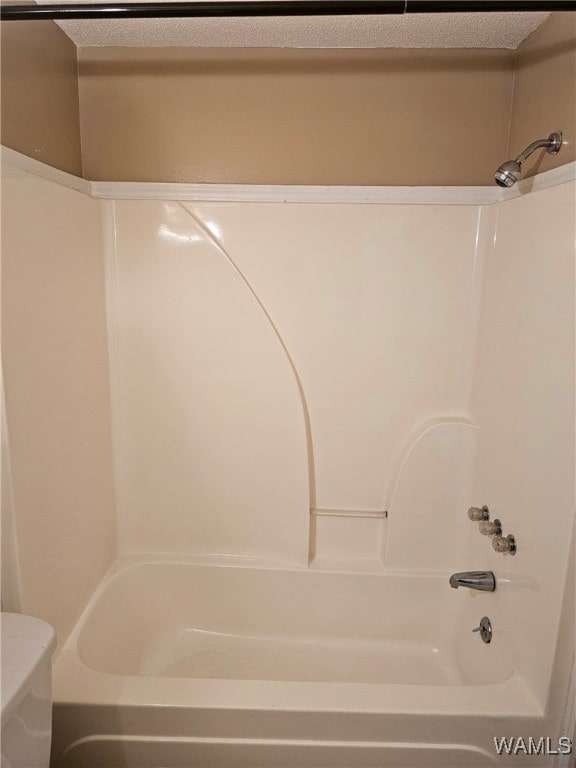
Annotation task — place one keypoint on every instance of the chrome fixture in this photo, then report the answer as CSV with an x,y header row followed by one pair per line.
x,y
477,514
509,172
505,544
490,527
485,629
487,527
480,580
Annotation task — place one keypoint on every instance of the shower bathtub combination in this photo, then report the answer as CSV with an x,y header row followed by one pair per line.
x,y
289,504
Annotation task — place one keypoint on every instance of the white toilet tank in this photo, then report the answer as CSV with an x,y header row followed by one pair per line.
x,y
26,646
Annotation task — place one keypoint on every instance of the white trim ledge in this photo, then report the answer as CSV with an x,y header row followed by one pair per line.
x,y
48,172
277,193
560,175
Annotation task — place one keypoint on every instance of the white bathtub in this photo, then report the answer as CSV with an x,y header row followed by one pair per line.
x,y
185,664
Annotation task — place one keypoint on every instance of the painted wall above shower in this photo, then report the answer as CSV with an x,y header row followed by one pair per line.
x,y
39,79
285,116
327,117
435,116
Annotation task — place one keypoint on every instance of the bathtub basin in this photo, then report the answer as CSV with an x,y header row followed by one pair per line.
x,y
211,663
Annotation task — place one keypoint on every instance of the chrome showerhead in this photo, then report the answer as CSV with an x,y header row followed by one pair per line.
x,y
509,172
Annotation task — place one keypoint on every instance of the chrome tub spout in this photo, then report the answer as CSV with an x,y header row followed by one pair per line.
x,y
481,580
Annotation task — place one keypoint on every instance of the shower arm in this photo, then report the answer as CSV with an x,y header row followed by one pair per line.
x,y
548,143
238,8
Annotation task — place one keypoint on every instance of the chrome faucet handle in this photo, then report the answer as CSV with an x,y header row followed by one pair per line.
x,y
505,544
490,527
476,514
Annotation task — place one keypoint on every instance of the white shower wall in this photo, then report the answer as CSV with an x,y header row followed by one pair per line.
x,y
58,494
212,447
409,358
274,358
524,406
268,359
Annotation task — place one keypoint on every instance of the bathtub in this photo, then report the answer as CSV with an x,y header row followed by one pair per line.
x,y
214,663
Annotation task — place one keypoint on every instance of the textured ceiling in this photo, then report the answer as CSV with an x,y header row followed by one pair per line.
x,y
457,30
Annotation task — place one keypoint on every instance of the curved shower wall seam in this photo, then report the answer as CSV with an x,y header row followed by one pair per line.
x,y
214,240
485,228
409,443
483,246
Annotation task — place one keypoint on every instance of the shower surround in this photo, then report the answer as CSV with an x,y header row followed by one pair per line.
x,y
305,398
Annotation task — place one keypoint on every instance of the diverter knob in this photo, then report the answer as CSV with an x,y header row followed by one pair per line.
x,y
476,514
505,544
490,528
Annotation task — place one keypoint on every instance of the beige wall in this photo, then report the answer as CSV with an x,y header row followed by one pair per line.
x,y
287,116
40,94
294,116
545,92
55,364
